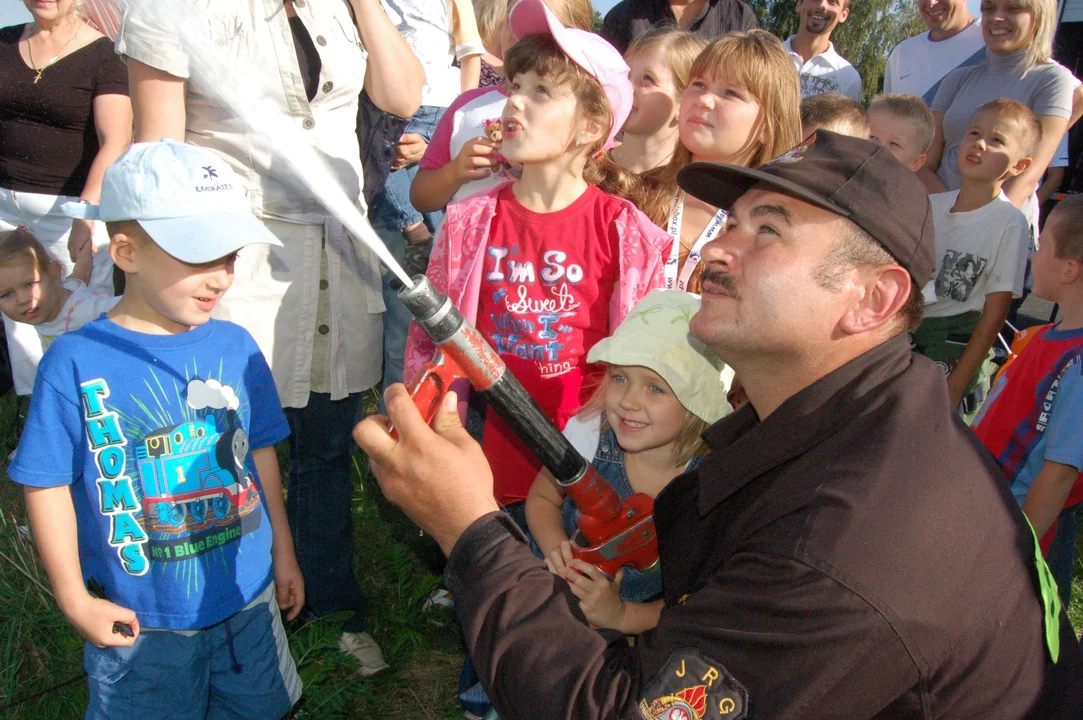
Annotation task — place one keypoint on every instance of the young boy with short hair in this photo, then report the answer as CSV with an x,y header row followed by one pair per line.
x,y
982,242
904,125
835,112
150,475
1031,422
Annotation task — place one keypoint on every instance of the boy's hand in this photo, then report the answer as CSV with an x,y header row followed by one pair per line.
x,y
559,558
94,619
475,160
410,148
599,599
289,584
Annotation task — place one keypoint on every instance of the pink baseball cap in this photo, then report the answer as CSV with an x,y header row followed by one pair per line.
x,y
587,50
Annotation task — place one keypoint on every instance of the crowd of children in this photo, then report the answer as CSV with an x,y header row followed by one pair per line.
x,y
546,207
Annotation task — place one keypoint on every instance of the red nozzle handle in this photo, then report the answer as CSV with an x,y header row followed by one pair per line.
x,y
432,384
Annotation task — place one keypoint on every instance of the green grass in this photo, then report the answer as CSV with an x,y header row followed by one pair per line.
x,y
39,649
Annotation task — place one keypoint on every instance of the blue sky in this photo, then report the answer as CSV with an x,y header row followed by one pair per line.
x,y
13,11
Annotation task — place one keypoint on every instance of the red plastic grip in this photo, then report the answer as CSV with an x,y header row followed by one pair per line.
x,y
432,384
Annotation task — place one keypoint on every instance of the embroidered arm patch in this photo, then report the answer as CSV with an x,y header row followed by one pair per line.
x,y
692,687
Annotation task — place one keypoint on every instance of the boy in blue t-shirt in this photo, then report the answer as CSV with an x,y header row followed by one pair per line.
x,y
151,482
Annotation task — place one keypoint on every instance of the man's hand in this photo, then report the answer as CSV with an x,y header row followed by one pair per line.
x,y
289,584
94,619
599,599
475,160
410,148
438,476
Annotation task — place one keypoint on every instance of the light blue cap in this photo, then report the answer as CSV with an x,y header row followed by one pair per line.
x,y
188,200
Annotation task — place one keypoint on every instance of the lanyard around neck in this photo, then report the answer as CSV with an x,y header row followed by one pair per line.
x,y
680,280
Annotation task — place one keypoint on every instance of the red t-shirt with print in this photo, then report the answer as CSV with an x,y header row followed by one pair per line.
x,y
546,286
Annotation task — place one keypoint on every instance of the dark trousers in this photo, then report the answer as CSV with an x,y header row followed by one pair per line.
x,y
318,504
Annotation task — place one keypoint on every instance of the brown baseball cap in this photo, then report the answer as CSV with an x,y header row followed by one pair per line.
x,y
849,176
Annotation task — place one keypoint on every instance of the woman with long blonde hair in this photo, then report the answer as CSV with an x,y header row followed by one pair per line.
x,y
741,107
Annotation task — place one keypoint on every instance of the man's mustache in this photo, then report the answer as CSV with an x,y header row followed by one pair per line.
x,y
722,279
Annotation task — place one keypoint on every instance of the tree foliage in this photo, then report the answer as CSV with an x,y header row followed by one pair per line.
x,y
596,22
873,29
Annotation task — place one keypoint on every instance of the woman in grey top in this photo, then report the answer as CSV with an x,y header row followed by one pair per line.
x,y
1019,65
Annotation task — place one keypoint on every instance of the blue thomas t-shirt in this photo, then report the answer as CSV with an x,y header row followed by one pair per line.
x,y
154,434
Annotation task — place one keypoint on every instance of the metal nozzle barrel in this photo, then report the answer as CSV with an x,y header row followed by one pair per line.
x,y
442,321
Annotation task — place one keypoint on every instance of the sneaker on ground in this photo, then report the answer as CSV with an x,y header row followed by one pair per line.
x,y
362,647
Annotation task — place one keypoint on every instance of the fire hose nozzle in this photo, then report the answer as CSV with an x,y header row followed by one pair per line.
x,y
612,532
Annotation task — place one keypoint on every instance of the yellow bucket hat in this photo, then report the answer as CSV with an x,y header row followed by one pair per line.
x,y
655,335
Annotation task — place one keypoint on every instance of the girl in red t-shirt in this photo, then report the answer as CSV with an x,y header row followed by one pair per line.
x,y
549,263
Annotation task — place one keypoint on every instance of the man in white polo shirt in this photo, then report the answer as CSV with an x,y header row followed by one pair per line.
x,y
822,69
918,64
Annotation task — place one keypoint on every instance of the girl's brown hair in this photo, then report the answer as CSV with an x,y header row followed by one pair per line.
x,y
756,61
541,53
689,442
680,48
19,246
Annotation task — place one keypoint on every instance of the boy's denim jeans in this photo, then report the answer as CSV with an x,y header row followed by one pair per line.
x,y
319,501
392,205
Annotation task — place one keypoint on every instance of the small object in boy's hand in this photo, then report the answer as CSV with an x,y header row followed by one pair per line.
x,y
96,590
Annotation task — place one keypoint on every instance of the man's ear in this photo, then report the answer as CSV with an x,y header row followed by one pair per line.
x,y
845,13
886,290
123,250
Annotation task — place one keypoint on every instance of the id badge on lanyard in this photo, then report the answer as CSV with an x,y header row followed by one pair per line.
x,y
679,281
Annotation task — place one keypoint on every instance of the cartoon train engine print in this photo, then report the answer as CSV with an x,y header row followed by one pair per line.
x,y
194,475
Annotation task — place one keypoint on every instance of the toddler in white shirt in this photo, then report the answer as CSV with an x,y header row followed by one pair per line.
x,y
33,292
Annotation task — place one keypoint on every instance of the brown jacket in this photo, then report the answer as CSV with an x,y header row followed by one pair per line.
x,y
856,555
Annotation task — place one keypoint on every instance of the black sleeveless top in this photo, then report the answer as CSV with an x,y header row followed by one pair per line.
x,y
47,136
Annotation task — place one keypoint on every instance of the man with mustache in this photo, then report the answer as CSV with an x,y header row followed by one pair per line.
x,y
822,69
846,550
